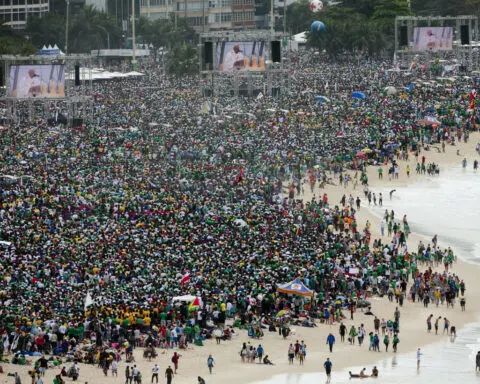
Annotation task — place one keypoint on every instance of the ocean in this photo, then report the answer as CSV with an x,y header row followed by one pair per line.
x,y
446,205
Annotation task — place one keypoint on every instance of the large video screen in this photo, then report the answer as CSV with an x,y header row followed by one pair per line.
x,y
241,55
37,81
432,38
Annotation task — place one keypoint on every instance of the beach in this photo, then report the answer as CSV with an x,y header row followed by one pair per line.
x,y
228,367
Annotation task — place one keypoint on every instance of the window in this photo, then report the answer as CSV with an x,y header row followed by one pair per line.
x,y
226,17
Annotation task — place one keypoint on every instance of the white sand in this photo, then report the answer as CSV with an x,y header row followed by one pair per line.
x,y
228,367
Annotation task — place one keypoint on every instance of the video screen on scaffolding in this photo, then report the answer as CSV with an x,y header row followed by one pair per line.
x,y
433,38
37,81
241,55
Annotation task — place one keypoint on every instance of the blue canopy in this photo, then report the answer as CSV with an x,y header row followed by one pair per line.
x,y
358,95
295,287
322,99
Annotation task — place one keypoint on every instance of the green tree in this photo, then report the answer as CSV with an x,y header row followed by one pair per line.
x,y
183,60
386,11
14,43
299,17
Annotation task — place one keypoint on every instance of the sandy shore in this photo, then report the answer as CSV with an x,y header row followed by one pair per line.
x,y
228,367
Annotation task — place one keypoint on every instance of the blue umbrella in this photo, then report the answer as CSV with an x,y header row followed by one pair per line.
x,y
322,99
358,95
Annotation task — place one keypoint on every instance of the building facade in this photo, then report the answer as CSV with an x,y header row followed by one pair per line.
x,y
156,9
99,5
16,12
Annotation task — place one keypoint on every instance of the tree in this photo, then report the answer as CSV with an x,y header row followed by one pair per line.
x,y
183,60
386,11
299,17
14,43
46,30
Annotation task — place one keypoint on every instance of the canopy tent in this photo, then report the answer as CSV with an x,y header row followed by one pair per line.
x,y
300,37
429,120
358,95
322,99
184,298
100,74
51,51
295,287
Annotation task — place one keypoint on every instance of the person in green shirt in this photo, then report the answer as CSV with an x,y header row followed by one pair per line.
x,y
396,340
386,341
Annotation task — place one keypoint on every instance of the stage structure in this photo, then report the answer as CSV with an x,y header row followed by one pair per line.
x,y
447,38
243,63
48,86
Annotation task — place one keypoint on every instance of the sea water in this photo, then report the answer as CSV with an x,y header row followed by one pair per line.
x,y
441,363
447,205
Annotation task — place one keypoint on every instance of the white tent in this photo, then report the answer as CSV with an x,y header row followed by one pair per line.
x,y
300,37
184,298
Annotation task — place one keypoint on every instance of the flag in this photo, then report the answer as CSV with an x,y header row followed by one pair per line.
x,y
194,305
185,278
473,94
239,177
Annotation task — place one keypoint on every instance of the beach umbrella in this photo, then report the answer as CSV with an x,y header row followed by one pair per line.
x,y
322,99
360,154
283,312
358,95
390,91
429,121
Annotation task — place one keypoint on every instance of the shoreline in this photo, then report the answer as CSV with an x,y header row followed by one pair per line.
x,y
228,366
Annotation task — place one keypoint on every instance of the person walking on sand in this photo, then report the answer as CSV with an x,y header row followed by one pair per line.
x,y
328,369
291,354
342,331
155,370
330,341
175,359
210,363
396,340
477,361
169,374
429,323
419,355
436,324
386,342
446,324
352,334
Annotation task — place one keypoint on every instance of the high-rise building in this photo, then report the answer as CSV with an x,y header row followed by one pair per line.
x,y
16,12
243,14
99,5
156,9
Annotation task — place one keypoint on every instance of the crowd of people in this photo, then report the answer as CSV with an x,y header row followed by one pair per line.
x,y
161,195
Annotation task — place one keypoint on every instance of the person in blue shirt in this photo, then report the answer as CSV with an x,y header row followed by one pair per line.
x,y
210,363
260,352
328,368
330,341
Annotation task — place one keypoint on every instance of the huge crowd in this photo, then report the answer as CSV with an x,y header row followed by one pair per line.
x,y
163,195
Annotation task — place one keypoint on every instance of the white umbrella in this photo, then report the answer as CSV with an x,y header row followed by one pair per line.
x,y
391,90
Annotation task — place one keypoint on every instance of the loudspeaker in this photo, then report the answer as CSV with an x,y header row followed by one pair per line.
x,y
276,52
77,75
403,36
464,35
208,53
